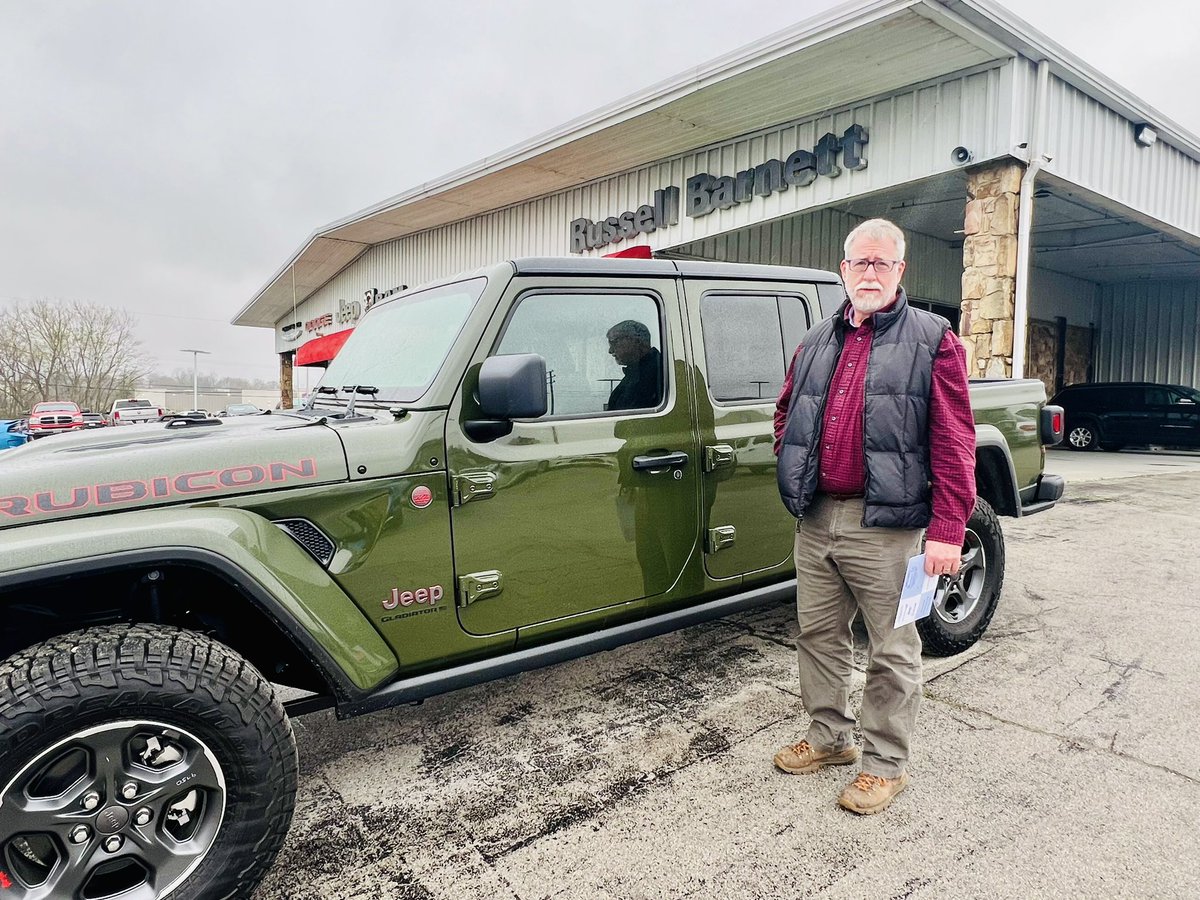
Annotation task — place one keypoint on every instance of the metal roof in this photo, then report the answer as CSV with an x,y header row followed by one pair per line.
x,y
727,97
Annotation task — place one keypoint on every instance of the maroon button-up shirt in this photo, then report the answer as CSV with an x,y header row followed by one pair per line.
x,y
841,463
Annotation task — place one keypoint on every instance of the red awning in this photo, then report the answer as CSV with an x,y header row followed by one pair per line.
x,y
323,349
641,251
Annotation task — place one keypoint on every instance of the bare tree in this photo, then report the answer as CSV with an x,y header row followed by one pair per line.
x,y
182,377
67,351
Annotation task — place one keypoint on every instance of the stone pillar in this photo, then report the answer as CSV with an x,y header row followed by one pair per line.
x,y
990,268
285,380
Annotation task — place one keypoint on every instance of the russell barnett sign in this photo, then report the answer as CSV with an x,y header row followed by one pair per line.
x,y
705,192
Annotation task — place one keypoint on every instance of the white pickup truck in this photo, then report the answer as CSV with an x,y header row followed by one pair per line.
x,y
133,412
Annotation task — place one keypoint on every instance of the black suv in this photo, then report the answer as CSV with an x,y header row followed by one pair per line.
x,y
1108,415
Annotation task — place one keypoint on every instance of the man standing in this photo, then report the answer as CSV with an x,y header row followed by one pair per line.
x,y
641,388
876,441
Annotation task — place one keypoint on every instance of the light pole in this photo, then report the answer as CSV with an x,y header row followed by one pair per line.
x,y
195,384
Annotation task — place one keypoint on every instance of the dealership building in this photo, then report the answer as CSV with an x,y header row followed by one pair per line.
x,y
1051,215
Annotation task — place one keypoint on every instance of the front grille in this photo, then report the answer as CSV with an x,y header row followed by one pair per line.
x,y
310,537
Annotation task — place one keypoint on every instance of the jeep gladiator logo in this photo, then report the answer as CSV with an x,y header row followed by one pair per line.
x,y
160,487
428,597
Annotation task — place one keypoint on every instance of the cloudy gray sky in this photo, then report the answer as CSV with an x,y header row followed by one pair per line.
x,y
167,156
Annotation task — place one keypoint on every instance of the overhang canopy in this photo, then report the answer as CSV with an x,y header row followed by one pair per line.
x,y
728,97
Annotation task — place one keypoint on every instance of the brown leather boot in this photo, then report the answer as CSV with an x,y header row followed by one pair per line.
x,y
804,759
869,794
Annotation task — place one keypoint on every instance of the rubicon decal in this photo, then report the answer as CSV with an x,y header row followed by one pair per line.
x,y
159,487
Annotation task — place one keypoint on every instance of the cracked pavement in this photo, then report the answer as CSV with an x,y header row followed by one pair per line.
x,y
1052,759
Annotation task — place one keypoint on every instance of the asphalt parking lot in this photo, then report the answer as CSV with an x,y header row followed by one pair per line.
x,y
1054,759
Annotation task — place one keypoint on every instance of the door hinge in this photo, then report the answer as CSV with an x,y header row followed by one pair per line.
x,y
473,486
718,456
479,586
721,537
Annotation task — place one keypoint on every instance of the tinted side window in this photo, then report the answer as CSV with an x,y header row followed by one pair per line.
x,y
1160,396
793,317
1121,399
1081,399
603,351
747,341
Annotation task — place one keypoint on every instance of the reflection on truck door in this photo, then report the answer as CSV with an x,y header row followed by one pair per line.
x,y
588,508
743,342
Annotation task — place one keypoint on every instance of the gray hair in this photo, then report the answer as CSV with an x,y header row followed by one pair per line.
x,y
877,229
632,328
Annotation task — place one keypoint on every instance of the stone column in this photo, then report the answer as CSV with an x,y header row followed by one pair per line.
x,y
285,379
990,268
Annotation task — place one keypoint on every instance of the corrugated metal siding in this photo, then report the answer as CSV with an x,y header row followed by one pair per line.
x,y
934,270
1094,147
911,135
1018,82
1149,331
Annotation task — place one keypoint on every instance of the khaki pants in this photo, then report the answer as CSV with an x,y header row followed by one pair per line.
x,y
841,566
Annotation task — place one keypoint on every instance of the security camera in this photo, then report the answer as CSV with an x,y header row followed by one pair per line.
x,y
960,156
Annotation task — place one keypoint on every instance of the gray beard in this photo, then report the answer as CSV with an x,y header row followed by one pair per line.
x,y
867,307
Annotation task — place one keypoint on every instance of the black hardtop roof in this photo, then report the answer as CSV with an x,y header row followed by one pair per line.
x,y
572,265
1109,385
1102,385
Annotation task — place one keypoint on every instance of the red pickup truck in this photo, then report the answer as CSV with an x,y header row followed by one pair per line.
x,y
53,416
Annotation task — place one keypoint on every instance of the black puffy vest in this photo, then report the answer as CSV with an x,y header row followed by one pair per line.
x,y
895,414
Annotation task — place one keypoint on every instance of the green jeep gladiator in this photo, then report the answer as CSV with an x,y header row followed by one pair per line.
x,y
477,489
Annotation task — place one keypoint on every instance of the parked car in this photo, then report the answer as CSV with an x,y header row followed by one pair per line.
x,y
1109,415
239,409
94,419
53,416
12,433
133,411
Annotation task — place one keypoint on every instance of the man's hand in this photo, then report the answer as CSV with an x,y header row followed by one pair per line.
x,y
942,559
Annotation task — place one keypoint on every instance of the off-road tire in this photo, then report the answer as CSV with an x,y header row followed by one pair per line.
x,y
944,634
98,681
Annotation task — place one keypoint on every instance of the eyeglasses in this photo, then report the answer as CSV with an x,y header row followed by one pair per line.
x,y
879,265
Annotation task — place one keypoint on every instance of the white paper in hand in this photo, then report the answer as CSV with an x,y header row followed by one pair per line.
x,y
916,597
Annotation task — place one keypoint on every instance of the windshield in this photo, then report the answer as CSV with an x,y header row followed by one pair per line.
x,y
55,407
401,343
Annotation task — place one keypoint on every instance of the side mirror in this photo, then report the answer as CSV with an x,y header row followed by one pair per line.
x,y
510,387
513,387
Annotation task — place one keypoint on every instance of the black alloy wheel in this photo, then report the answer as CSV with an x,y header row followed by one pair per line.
x,y
138,762
964,604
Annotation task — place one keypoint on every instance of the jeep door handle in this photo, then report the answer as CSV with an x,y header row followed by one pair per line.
x,y
664,461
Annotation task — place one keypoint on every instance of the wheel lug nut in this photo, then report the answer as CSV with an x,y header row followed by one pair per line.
x,y
129,790
90,800
143,816
113,844
79,834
